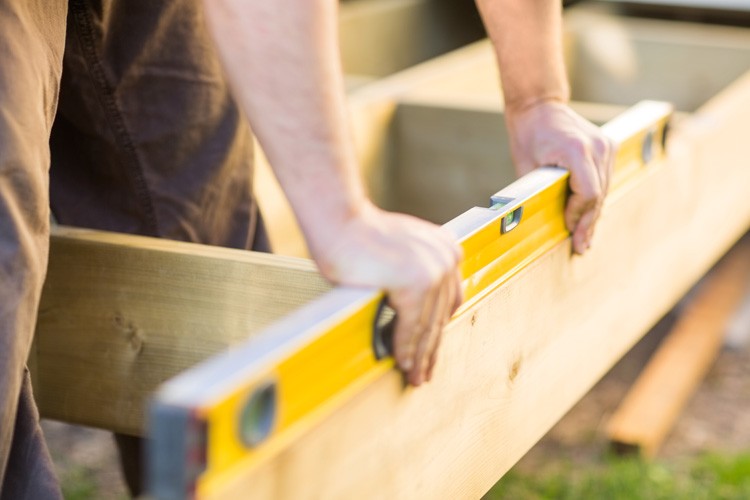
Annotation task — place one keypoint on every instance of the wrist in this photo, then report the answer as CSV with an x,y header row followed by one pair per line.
x,y
326,221
516,105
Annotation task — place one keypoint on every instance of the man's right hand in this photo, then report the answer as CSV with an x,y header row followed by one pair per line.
x,y
415,262
283,63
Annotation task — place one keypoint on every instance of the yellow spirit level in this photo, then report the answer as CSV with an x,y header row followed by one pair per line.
x,y
235,412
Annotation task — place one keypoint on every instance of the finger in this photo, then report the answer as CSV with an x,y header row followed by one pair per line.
x,y
409,304
418,298
578,206
439,310
585,196
604,157
585,189
455,299
428,342
601,146
583,233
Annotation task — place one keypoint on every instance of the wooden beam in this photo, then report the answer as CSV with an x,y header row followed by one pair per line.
x,y
381,37
621,60
654,402
120,314
512,366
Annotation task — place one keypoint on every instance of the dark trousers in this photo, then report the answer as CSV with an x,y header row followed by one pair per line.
x,y
116,115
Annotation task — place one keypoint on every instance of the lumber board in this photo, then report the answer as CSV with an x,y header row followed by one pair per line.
x,y
654,402
121,314
731,5
448,159
381,37
620,60
510,367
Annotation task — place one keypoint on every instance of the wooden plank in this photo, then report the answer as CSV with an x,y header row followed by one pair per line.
x,y
712,4
511,368
381,37
622,60
121,314
654,402
448,159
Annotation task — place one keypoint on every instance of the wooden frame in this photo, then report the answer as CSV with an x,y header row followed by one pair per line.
x,y
508,371
382,37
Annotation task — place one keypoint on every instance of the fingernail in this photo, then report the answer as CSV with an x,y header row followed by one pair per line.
x,y
407,365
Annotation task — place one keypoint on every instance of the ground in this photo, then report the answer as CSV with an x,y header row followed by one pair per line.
x,y
716,419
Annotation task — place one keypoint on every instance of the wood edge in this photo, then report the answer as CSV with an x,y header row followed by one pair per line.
x,y
108,238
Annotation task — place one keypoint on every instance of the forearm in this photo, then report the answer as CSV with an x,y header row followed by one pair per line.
x,y
282,61
527,36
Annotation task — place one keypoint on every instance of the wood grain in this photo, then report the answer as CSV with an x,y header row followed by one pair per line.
x,y
120,314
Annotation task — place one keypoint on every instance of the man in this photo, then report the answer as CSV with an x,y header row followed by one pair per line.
x,y
148,140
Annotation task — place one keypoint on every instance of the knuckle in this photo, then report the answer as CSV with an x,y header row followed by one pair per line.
x,y
589,196
404,354
421,282
601,145
578,148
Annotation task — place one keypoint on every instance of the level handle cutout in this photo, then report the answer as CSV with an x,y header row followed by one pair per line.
x,y
259,414
382,330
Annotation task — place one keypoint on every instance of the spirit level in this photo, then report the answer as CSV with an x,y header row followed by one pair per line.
x,y
232,413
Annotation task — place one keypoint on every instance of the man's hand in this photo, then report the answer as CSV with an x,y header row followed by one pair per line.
x,y
283,62
527,37
415,262
550,133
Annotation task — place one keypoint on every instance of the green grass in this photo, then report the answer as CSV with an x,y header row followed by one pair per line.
x,y
708,477
78,484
